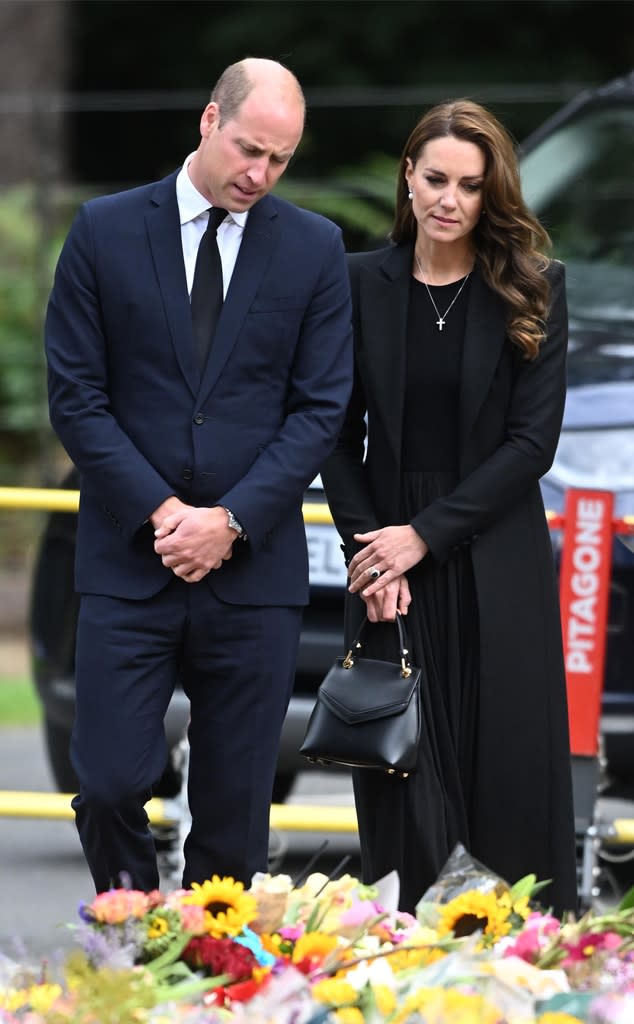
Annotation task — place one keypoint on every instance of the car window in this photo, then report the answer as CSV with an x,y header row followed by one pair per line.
x,y
580,182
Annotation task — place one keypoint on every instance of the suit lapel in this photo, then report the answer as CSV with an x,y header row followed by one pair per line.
x,y
384,298
485,333
254,256
163,226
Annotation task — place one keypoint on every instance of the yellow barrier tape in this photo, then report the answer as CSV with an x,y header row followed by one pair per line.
x,y
59,500
623,831
285,817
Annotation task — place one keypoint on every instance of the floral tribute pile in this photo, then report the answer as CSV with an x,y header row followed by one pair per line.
x,y
332,952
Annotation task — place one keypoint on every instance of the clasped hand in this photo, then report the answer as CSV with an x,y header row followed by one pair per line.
x,y
392,551
193,541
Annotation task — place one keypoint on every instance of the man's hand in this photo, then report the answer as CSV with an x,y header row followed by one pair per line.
x,y
168,507
193,541
391,551
383,606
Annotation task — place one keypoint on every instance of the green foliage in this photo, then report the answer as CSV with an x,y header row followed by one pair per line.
x,y
24,269
359,199
18,702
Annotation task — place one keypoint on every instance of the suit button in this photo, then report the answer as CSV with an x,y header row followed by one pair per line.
x,y
187,474
199,418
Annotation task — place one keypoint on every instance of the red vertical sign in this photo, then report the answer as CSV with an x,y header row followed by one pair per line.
x,y
584,589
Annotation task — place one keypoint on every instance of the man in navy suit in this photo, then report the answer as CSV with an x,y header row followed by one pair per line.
x,y
191,553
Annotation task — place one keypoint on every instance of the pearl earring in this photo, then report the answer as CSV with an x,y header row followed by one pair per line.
x,y
410,194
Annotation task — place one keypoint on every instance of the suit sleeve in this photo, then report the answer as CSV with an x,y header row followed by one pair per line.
x,y
533,425
344,474
110,465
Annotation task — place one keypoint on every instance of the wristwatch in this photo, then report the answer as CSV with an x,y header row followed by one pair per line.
x,y
235,524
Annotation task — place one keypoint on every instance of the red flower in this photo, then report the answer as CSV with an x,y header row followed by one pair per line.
x,y
220,956
242,991
589,944
237,992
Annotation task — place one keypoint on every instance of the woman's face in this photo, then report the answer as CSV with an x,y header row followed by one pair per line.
x,y
447,182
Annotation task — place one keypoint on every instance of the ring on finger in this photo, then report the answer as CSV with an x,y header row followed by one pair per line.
x,y
373,573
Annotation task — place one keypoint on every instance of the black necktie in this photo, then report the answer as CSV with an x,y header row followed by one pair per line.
x,y
207,293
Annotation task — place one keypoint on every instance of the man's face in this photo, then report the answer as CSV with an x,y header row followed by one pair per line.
x,y
239,162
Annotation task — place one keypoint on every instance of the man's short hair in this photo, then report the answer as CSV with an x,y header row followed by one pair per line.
x,y
230,91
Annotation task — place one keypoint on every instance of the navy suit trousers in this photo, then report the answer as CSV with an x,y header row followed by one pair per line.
x,y
236,664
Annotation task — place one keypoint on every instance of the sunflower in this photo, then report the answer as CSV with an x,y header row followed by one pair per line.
x,y
475,911
161,927
228,908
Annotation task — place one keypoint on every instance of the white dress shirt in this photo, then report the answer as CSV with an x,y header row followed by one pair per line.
x,y
193,209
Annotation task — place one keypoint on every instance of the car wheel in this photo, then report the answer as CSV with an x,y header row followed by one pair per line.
x,y
58,749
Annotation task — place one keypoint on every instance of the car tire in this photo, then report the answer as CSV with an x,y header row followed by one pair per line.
x,y
57,739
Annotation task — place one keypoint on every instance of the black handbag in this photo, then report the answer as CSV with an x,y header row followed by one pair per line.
x,y
367,713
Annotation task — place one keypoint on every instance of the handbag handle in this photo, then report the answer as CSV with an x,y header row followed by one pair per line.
x,y
357,646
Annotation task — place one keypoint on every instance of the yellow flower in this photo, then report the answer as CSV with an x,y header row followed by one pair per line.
x,y
558,1018
385,999
13,999
404,958
522,907
158,928
475,911
349,1015
447,1006
314,946
271,943
42,997
334,992
228,908
39,998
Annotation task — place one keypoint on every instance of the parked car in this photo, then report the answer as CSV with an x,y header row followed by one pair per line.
x,y
578,175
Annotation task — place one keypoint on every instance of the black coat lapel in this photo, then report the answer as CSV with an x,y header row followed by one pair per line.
x,y
164,232
383,301
485,334
254,257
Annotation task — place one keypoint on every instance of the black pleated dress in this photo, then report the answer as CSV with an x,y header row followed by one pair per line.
x,y
413,824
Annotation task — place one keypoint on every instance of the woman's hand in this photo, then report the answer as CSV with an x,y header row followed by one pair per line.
x,y
391,551
382,607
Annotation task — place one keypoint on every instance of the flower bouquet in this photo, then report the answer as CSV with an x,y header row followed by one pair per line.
x,y
478,951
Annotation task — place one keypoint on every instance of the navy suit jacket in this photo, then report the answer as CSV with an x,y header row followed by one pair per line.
x,y
139,422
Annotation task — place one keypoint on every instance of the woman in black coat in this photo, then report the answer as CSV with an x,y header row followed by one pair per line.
x,y
460,341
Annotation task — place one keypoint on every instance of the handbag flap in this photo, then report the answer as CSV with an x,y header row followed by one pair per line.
x,y
370,689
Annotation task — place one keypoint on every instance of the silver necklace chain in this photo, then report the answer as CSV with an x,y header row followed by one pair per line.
x,y
440,322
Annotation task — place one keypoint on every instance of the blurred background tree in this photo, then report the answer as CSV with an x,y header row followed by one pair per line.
x,y
98,95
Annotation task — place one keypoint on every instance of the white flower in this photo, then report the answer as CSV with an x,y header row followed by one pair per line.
x,y
375,972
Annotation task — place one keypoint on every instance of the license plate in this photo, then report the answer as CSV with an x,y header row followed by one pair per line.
x,y
325,557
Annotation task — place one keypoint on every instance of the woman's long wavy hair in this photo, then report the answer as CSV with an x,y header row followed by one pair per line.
x,y
510,243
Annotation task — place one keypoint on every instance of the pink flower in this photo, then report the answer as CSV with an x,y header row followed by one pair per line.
x,y
589,944
193,918
533,938
359,914
118,905
292,932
